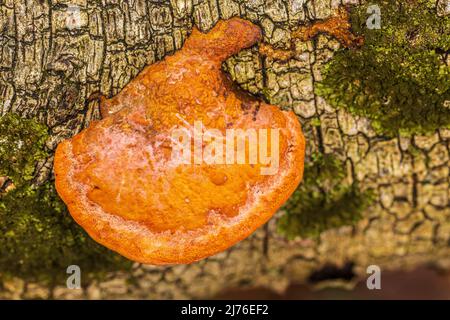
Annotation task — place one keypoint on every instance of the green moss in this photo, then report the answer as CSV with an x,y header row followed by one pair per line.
x,y
38,238
398,79
22,143
315,122
323,201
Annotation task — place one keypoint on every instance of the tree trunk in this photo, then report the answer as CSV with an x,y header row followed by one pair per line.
x,y
55,54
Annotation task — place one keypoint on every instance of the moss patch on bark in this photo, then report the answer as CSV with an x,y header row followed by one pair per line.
x,y
399,79
323,200
38,237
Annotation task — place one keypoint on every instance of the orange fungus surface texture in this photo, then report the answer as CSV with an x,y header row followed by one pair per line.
x,y
123,184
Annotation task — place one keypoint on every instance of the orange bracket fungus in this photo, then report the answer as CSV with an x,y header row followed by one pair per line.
x,y
183,164
337,26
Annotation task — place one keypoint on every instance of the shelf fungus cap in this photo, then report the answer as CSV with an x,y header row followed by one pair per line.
x,y
183,164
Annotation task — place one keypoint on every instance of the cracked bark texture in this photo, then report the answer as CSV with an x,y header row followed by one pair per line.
x,y
48,70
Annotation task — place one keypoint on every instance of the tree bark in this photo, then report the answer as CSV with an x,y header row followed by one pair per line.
x,y
55,54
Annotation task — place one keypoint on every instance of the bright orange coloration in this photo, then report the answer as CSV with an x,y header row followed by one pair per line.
x,y
337,26
117,179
